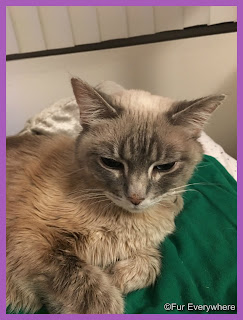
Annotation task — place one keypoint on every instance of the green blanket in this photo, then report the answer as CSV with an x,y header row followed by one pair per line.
x,y
199,259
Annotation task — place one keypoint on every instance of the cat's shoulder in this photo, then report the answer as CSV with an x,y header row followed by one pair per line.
x,y
32,141
26,147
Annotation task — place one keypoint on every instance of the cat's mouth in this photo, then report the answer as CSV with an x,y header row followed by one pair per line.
x,y
127,205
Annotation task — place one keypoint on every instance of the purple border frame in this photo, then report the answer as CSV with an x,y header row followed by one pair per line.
x,y
3,4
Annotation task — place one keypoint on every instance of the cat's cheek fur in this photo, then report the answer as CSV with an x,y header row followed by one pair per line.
x,y
179,203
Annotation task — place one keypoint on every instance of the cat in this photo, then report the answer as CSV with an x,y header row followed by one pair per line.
x,y
85,215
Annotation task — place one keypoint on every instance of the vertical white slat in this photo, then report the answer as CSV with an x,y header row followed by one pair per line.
x,y
168,18
140,20
11,42
223,14
56,26
112,22
84,24
27,28
235,13
196,15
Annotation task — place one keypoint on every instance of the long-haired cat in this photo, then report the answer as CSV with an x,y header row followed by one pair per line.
x,y
85,216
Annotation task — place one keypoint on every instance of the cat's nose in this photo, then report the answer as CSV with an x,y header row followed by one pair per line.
x,y
135,200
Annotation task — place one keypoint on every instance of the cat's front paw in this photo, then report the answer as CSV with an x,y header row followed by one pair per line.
x,y
103,299
89,291
94,301
133,274
109,302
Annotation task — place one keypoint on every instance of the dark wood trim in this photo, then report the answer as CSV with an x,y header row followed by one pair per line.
x,y
197,31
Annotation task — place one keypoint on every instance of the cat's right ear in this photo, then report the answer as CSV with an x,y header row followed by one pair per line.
x,y
92,105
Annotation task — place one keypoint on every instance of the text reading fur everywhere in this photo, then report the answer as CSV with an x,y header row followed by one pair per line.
x,y
198,307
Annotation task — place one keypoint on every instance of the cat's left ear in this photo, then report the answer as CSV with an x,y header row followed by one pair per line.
x,y
194,114
93,106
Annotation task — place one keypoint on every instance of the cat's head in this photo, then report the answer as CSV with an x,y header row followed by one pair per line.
x,y
138,147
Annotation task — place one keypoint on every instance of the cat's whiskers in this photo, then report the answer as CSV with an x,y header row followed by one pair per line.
x,y
71,173
201,166
107,206
88,193
182,191
91,194
167,196
93,189
191,184
87,190
87,197
99,201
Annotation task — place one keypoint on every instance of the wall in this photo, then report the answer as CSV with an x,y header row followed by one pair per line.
x,y
180,69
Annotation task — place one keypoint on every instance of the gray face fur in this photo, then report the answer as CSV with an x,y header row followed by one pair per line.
x,y
153,139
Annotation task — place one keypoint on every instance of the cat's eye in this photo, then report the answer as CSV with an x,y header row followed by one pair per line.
x,y
111,163
164,167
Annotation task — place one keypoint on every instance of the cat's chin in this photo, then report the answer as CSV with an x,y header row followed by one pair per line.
x,y
127,206
138,210
135,209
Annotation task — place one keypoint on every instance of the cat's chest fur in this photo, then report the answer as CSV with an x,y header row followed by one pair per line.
x,y
119,238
